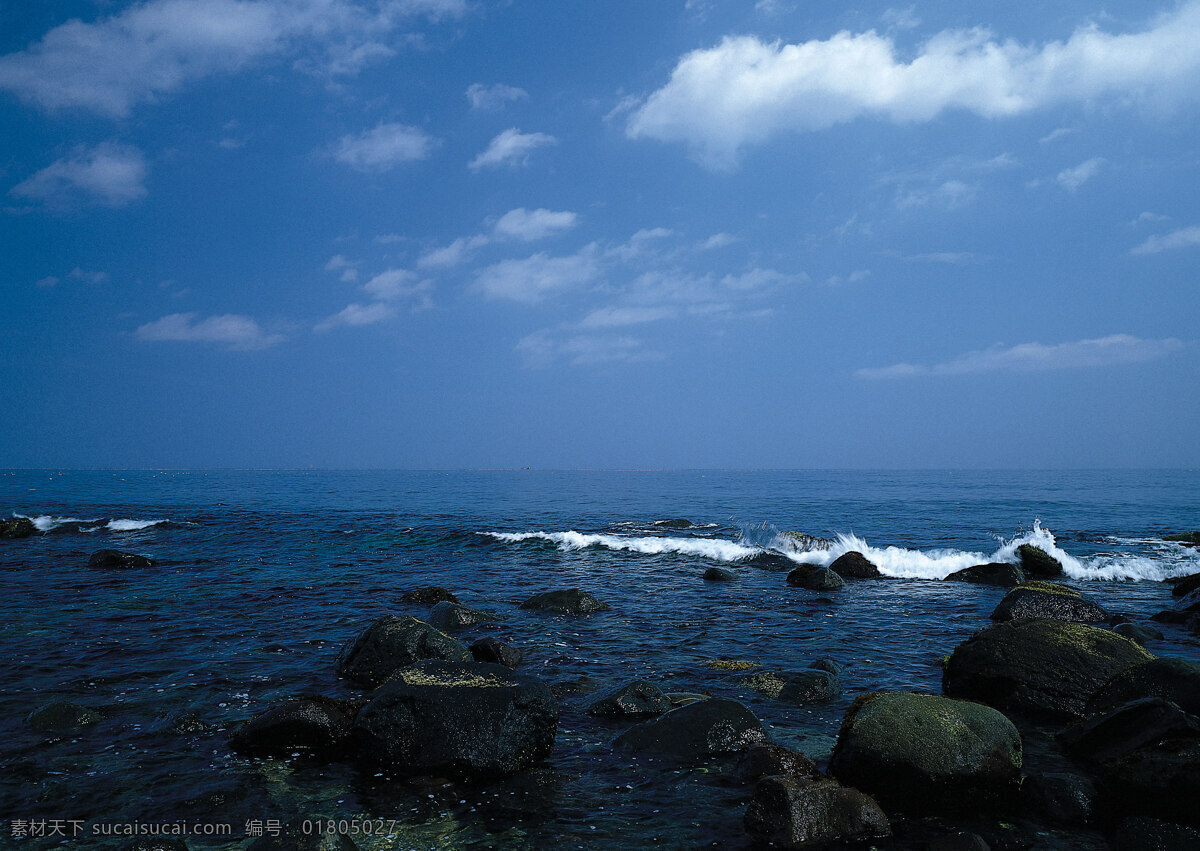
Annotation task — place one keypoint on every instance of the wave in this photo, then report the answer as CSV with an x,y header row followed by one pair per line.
x,y
46,523
712,548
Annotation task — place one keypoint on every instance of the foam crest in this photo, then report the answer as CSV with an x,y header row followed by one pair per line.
x,y
133,525
50,523
715,549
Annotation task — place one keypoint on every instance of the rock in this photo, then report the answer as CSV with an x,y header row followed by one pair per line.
x,y
719,574
1176,680
769,683
730,664
393,642
964,840
995,573
799,542
1192,538
1060,798
446,616
1147,834
1044,669
1118,733
1160,780
320,725
17,527
184,723
146,843
773,562
117,560
299,835
790,813
429,595
812,686
488,649
673,523
571,601
696,730
467,720
638,699
1183,585
769,760
854,565
1138,633
815,578
1038,563
922,750
62,717
1048,600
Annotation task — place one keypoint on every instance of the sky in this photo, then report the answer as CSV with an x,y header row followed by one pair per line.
x,y
629,234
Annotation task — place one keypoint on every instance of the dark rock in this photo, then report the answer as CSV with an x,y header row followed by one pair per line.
x,y
17,527
577,687
638,699
62,717
773,562
1138,633
1047,600
1131,726
299,835
1183,537
429,595
815,578
799,542
719,574
673,523
393,642
1161,780
995,573
1176,680
571,601
1147,834
1060,798
488,649
697,730
320,725
468,720
1184,585
791,813
117,560
769,683
1044,669
770,760
812,686
826,664
961,841
854,565
922,750
1038,563
446,615
146,843
185,724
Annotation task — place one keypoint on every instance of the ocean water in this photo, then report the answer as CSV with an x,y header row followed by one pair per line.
x,y
261,576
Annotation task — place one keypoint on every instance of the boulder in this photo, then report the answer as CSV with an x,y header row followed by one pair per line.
x,y
826,664
446,616
811,686
488,649
117,560
1183,585
571,601
1185,538
465,720
1048,600
773,562
429,595
1147,834
1137,632
997,573
638,699
393,642
62,718
1061,798
922,750
673,523
770,760
1160,780
1038,563
1176,680
320,725
719,574
1043,669
787,812
17,527
854,565
815,578
697,730
1121,731
769,683
799,542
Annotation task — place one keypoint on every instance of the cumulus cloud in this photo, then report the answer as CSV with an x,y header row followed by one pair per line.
x,y
388,290
1037,357
387,146
109,174
744,90
530,225
356,315
1181,238
1072,178
493,98
511,147
536,278
232,331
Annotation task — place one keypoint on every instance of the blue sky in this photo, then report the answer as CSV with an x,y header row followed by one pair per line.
x,y
461,233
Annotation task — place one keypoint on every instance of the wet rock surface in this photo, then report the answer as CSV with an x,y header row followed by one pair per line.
x,y
697,730
638,699
1048,600
393,642
788,812
118,560
571,601
1000,574
317,724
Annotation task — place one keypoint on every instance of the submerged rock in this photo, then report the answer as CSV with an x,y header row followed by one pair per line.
x,y
1048,600
393,642
854,565
696,730
719,574
117,560
571,601
1176,680
1038,563
815,578
673,523
638,699
921,750
318,724
787,812
488,649
812,686
996,573
1043,669
429,595
446,615
1137,632
469,720
62,717
17,527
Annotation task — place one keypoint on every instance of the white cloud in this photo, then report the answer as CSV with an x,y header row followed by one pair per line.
x,y
109,174
1055,135
400,284
230,330
1072,178
357,315
1181,238
954,258
1148,217
533,279
385,147
530,225
339,263
948,193
542,348
615,317
1036,357
511,147
718,240
744,90
493,98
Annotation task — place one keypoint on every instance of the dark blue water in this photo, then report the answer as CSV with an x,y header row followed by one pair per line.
x,y
262,576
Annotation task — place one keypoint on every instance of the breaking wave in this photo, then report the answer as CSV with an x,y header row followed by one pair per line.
x,y
48,523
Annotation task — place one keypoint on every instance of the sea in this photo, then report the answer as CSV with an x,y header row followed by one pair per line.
x,y
260,577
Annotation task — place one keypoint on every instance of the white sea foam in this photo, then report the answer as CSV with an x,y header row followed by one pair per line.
x,y
48,523
712,548
133,525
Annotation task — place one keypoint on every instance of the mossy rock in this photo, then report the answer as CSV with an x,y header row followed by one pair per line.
x,y
1037,562
730,664
17,527
1183,538
391,643
1048,600
1000,574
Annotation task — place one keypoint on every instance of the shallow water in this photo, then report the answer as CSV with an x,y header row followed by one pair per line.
x,y
262,576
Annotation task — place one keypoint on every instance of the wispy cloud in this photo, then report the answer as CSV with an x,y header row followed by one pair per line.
x,y
76,274
512,148
543,348
530,225
232,331
1037,357
1072,178
109,174
745,90
493,98
1181,238
389,291
952,258
357,315
533,279
385,147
